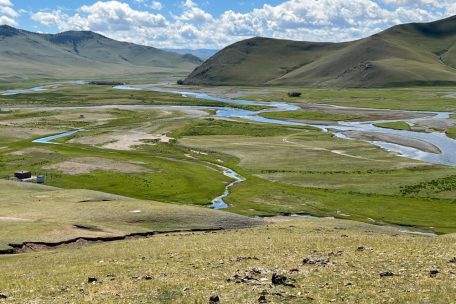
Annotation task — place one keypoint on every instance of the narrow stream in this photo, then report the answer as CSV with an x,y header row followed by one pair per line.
x,y
219,202
49,139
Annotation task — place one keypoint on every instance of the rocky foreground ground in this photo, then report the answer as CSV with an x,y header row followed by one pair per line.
x,y
284,261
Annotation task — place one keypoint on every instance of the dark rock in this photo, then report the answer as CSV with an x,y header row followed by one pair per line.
x,y
147,277
278,279
453,260
433,273
386,274
246,280
262,299
360,249
294,270
92,280
311,261
3,296
214,299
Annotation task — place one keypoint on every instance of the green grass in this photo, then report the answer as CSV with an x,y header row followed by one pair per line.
x,y
260,197
399,125
439,180
93,95
309,115
419,98
222,127
451,133
172,178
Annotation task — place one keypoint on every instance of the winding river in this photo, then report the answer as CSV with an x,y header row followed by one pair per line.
x,y
446,145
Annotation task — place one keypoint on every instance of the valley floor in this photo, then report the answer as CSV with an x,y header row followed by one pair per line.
x,y
140,162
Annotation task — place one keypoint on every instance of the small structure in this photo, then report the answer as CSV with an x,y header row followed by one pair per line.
x,y
23,175
40,179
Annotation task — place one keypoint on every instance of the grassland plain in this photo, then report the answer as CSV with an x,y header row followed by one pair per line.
x,y
417,98
302,169
166,175
326,260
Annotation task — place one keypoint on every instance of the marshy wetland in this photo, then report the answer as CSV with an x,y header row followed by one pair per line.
x,y
373,164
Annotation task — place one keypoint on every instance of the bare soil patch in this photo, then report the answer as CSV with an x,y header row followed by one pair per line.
x,y
29,151
123,141
85,165
394,139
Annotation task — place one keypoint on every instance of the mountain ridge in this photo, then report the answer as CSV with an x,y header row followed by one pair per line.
x,y
27,55
407,54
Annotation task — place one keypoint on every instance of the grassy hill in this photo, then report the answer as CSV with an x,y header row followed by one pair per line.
x,y
33,213
25,55
410,54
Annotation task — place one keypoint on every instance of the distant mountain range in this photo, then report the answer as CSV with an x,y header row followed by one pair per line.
x,y
81,54
409,54
200,53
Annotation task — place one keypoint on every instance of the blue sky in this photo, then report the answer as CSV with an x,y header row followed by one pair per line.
x,y
217,23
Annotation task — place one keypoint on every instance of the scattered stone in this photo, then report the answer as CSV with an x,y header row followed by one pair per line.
x,y
337,253
214,299
433,273
147,277
92,280
453,260
258,271
294,270
311,261
243,258
246,280
278,279
360,249
386,274
262,299
3,296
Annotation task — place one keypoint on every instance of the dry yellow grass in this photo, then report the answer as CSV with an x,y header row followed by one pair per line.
x,y
189,268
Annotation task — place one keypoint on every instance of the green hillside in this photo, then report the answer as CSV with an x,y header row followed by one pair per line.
x,y
26,55
411,54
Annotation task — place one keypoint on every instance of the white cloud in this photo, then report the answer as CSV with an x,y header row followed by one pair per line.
x,y
156,5
7,13
105,17
193,27
5,3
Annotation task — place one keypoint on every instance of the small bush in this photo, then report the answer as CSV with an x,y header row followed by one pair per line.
x,y
294,94
180,82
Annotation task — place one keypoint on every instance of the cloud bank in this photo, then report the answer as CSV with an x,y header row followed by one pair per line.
x,y
193,27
